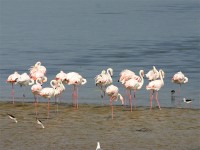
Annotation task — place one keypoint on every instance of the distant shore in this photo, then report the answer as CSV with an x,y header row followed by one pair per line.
x,y
68,128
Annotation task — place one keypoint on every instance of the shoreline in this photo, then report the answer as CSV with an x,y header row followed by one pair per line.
x,y
68,128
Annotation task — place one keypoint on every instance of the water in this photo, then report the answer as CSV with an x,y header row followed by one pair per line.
x,y
89,36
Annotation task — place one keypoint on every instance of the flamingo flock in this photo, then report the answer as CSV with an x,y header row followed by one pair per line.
x,y
129,80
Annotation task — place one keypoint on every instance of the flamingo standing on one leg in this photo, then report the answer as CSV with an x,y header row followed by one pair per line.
x,y
179,78
75,79
113,93
156,85
24,80
36,88
49,92
12,79
133,84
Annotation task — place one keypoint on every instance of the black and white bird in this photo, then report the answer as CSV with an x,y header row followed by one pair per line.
x,y
187,100
12,117
98,146
172,92
40,123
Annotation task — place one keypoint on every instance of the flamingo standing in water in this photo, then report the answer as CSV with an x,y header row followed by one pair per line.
x,y
152,75
113,93
103,80
49,92
75,79
36,88
179,78
133,84
13,79
24,80
156,85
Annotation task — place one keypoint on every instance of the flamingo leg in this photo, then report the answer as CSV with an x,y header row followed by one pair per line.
x,y
36,101
157,100
76,97
179,96
13,93
151,98
48,107
111,107
135,99
130,100
73,96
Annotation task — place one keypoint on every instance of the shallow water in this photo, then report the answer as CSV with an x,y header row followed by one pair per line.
x,y
89,36
170,128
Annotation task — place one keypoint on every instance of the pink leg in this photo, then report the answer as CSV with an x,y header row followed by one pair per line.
x,y
48,107
73,96
111,107
135,98
76,97
36,101
157,100
130,100
151,98
179,96
13,93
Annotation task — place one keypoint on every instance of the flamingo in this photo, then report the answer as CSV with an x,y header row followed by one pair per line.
x,y
39,74
24,80
134,84
75,79
60,76
156,85
153,74
179,78
49,92
37,67
12,79
113,92
104,79
36,88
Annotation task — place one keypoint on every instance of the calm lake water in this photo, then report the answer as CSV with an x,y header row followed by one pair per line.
x,y
88,36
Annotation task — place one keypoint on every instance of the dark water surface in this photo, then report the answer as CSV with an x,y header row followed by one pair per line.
x,y
87,36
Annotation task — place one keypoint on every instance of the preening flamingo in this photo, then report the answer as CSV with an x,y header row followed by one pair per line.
x,y
133,84
37,67
156,85
49,92
103,80
13,79
36,88
75,79
113,93
24,80
179,78
153,74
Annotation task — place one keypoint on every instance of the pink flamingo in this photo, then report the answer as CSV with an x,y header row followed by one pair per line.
x,y
75,79
49,92
156,85
134,84
36,88
37,67
60,76
103,80
179,78
24,80
153,74
39,74
13,79
113,93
